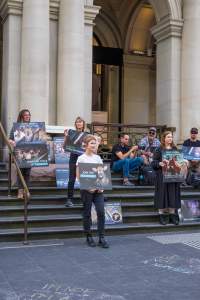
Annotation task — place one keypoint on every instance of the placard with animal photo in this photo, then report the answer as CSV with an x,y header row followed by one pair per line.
x,y
33,132
31,155
74,141
61,156
113,213
175,167
191,153
190,210
94,176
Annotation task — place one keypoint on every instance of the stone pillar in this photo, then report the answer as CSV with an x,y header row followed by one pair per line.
x,y
70,84
35,59
168,86
190,112
90,14
53,52
11,12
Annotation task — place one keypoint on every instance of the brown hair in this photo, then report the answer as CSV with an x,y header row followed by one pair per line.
x,y
21,115
88,138
80,119
163,140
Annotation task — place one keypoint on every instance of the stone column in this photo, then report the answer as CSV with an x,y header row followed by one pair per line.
x,y
168,84
90,14
35,59
70,84
53,52
190,112
11,12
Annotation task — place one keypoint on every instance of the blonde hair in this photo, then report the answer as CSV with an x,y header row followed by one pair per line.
x,y
88,139
81,120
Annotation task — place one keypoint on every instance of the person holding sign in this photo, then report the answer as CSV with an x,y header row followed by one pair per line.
x,y
167,195
92,196
80,127
23,117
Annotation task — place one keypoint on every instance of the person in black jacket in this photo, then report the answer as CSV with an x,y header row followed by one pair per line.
x,y
167,195
79,126
23,117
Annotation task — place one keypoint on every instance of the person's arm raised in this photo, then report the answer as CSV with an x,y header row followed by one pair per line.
x,y
120,155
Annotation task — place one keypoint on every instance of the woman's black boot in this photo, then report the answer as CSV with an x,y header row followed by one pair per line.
x,y
174,219
90,241
164,219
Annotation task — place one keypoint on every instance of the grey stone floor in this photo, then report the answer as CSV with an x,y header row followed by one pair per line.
x,y
135,267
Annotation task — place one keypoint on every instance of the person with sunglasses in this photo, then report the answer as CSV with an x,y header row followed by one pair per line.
x,y
149,142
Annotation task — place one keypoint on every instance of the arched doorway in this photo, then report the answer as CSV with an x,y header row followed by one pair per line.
x,y
127,28
148,89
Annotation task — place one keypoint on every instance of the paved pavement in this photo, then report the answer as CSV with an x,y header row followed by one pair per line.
x,y
136,267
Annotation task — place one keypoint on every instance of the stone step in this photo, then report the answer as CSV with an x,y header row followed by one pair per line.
x,y
77,231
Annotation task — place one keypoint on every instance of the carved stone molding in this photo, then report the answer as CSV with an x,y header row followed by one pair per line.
x,y
10,7
90,14
54,9
167,28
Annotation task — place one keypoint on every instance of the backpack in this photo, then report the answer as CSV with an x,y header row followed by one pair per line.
x,y
147,175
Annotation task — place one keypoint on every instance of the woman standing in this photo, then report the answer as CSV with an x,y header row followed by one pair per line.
x,y
167,195
92,196
80,126
23,117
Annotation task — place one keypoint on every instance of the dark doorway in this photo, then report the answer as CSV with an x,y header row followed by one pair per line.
x,y
107,82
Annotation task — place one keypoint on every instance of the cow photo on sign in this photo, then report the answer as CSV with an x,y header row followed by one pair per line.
x,y
95,176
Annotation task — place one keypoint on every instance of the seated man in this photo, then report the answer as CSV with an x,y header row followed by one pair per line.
x,y
193,142
149,143
123,158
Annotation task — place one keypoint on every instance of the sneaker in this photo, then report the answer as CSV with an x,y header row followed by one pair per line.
x,y
20,194
69,203
102,243
90,241
164,219
174,218
128,183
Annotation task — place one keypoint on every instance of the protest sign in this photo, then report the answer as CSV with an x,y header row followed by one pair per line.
x,y
175,168
94,176
113,213
74,141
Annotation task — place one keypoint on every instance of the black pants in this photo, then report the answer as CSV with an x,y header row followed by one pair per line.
x,y
26,174
98,200
72,179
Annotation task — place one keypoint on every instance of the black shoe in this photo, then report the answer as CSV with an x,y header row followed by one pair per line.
x,y
174,218
102,242
69,203
90,241
164,219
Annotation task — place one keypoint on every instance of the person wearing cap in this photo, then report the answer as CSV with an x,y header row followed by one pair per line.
x,y
193,140
149,142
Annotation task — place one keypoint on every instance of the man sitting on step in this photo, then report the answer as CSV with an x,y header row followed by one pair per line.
x,y
124,158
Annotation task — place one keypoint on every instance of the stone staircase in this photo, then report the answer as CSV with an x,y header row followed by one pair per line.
x,y
49,218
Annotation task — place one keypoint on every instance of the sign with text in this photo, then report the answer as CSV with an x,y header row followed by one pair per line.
x,y
175,167
94,176
31,148
31,155
113,213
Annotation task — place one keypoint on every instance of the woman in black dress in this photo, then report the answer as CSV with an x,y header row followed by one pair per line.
x,y
167,195
79,126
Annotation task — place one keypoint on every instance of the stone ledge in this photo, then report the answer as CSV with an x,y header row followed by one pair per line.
x,y
10,7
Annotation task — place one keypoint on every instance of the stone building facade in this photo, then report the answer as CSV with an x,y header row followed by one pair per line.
x,y
47,63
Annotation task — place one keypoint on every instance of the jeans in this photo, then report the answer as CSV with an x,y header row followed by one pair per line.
x,y
26,174
98,200
72,179
127,165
